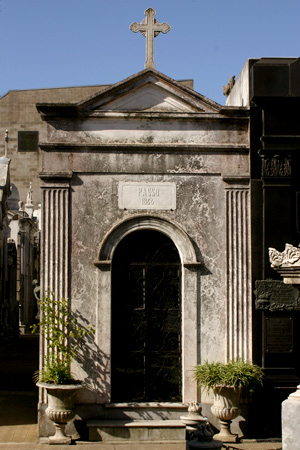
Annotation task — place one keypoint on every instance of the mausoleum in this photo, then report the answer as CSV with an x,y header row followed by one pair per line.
x,y
146,229
159,207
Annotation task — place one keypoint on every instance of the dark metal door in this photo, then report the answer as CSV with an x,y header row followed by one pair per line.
x,y
146,319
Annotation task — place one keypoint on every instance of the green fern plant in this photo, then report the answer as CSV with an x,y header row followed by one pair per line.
x,y
64,337
237,373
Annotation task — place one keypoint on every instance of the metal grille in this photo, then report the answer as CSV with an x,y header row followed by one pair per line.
x,y
146,320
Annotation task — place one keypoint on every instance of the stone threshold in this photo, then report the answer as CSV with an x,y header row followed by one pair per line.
x,y
136,430
136,423
147,405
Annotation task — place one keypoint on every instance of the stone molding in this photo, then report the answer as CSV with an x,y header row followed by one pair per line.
x,y
56,179
146,147
233,181
238,273
174,232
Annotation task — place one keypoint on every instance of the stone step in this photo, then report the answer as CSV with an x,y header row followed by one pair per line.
x,y
144,411
136,430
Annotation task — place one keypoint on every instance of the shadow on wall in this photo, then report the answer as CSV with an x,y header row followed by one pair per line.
x,y
92,360
14,198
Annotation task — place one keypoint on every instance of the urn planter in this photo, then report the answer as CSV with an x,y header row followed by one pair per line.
x,y
226,408
60,409
226,381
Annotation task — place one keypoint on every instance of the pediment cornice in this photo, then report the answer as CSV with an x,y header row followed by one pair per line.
x,y
147,93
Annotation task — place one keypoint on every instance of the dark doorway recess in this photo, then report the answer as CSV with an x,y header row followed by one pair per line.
x,y
146,319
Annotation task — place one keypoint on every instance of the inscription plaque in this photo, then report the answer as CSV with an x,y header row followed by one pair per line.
x,y
279,334
274,295
156,196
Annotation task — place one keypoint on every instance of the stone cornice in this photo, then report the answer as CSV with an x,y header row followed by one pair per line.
x,y
60,112
75,146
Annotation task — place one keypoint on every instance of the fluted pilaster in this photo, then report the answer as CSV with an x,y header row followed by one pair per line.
x,y
55,234
238,273
55,238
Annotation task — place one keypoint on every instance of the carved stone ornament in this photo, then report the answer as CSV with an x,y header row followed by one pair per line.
x,y
276,166
273,295
286,263
228,88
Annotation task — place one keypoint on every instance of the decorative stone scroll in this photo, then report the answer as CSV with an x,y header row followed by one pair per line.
x,y
273,295
286,263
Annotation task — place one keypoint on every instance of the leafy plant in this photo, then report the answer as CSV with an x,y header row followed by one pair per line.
x,y
64,336
236,373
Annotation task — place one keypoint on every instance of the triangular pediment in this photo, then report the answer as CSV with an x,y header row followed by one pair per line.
x,y
149,98
149,91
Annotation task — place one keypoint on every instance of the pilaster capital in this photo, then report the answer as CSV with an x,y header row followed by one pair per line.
x,y
54,180
233,181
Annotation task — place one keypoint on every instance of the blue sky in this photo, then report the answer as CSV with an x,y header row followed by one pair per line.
x,y
56,43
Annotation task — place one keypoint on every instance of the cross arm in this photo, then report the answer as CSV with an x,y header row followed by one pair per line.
x,y
164,27
135,27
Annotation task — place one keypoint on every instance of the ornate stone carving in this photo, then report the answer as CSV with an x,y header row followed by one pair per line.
x,y
290,256
150,28
276,166
286,263
193,418
228,88
273,295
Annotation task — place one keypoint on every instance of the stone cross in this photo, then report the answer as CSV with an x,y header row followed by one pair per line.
x,y
150,28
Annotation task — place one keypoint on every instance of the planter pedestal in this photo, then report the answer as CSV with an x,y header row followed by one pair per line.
x,y
225,434
60,410
226,408
197,424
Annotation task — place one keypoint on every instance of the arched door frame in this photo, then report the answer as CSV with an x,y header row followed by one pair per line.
x,y
189,301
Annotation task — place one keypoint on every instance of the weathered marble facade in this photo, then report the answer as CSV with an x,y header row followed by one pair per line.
x,y
149,154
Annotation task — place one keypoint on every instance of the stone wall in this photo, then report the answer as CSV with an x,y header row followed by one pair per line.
x,y
18,113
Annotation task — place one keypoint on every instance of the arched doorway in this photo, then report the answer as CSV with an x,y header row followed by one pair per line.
x,y
146,356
